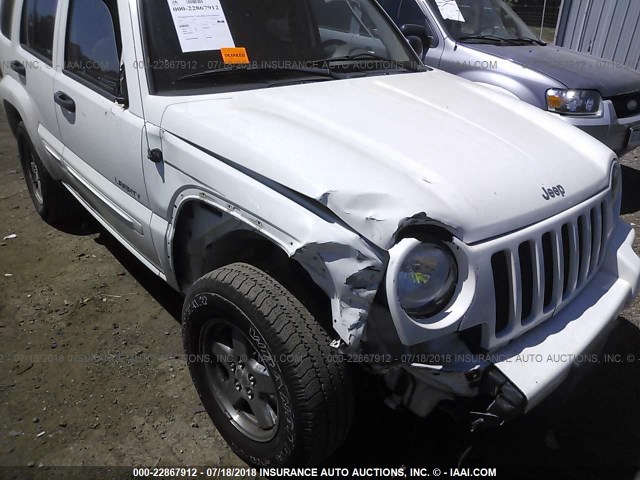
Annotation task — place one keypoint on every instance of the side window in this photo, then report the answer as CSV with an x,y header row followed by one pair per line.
x,y
38,22
93,48
6,15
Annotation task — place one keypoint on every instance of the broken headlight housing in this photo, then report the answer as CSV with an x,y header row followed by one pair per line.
x,y
574,102
427,280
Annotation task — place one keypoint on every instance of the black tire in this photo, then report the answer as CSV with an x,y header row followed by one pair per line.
x,y
315,400
50,199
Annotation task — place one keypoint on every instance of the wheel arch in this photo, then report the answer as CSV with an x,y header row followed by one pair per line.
x,y
17,105
13,116
205,238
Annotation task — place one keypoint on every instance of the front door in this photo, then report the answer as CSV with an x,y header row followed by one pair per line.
x,y
103,139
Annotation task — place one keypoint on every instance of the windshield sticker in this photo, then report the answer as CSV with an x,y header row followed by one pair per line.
x,y
201,25
235,55
449,10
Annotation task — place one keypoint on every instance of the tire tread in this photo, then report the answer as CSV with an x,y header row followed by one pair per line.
x,y
325,398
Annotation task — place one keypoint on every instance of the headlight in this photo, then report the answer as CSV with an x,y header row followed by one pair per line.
x,y
574,102
427,280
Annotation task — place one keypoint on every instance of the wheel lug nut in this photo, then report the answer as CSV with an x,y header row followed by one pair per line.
x,y
232,366
238,386
250,394
252,380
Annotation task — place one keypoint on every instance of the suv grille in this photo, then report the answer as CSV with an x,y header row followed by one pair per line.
x,y
542,273
627,105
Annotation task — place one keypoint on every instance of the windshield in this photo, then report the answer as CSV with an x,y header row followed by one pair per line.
x,y
195,44
465,19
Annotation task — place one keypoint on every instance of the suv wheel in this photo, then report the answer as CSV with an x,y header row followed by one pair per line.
x,y
264,370
49,197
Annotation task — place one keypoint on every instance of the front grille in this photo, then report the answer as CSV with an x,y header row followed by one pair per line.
x,y
627,105
542,273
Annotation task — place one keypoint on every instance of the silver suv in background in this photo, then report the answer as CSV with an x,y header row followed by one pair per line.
x,y
486,42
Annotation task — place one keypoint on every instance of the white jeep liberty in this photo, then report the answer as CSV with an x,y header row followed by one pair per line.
x,y
321,198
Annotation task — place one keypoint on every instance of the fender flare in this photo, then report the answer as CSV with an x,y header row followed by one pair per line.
x,y
14,93
343,265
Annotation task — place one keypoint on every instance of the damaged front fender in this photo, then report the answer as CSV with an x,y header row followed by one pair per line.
x,y
350,275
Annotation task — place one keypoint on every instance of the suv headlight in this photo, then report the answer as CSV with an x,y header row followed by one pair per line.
x,y
574,102
427,280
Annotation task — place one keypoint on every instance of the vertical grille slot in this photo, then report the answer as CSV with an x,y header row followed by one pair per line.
x,y
584,236
596,238
580,229
526,278
558,268
574,256
604,209
607,222
547,255
538,278
567,258
501,288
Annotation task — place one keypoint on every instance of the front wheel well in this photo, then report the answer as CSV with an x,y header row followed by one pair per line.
x,y
206,239
13,117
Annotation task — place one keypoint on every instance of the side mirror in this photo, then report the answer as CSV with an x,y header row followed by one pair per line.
x,y
416,44
413,29
429,43
418,32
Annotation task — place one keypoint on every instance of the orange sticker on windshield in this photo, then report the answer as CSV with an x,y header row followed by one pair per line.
x,y
234,55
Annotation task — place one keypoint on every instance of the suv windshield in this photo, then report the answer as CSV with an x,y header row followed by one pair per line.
x,y
239,44
486,21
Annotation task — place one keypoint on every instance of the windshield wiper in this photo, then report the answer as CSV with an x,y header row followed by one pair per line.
x,y
315,71
503,40
529,40
490,38
368,56
319,68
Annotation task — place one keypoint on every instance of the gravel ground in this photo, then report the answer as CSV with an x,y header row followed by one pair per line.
x,y
90,373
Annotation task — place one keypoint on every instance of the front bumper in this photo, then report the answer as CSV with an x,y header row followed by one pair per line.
x,y
607,128
542,359
519,375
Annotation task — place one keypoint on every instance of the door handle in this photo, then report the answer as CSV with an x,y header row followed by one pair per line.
x,y
65,101
19,68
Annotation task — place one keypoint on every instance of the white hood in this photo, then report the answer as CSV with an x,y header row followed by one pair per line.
x,y
379,150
